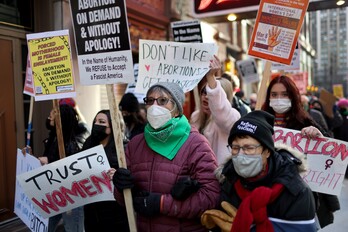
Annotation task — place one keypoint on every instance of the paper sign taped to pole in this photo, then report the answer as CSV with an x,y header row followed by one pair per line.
x,y
182,63
23,206
51,65
327,159
277,27
69,183
102,42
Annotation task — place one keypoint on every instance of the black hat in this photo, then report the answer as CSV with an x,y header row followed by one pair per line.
x,y
129,103
257,124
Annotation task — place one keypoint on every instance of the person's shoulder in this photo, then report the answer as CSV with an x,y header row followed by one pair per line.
x,y
292,156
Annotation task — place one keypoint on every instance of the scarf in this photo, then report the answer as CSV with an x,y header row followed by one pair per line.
x,y
168,139
253,208
279,120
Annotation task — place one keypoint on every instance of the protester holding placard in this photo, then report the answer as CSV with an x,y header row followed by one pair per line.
x,y
216,116
103,215
283,100
170,167
72,220
261,185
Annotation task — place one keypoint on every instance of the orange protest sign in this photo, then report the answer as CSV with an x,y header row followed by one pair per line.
x,y
277,28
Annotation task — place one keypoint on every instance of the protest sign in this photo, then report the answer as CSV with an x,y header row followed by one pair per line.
x,y
29,82
182,63
277,28
23,206
51,64
187,31
338,90
71,182
247,70
301,81
102,42
327,159
328,100
294,65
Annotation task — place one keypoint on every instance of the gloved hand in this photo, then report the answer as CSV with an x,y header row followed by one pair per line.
x,y
147,204
184,188
123,179
214,217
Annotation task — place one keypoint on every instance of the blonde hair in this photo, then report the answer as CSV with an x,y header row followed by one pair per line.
x,y
227,86
203,118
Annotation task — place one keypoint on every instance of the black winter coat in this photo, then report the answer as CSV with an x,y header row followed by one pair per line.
x,y
295,203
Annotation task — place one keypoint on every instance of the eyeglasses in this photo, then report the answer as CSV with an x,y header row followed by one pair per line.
x,y
161,101
247,149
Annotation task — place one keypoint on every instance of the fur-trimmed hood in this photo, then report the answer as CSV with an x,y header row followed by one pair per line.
x,y
298,158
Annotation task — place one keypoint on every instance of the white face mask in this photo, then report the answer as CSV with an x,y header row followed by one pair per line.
x,y
157,116
247,165
280,105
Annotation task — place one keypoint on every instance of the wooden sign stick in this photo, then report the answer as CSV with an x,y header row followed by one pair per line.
x,y
261,95
59,132
30,120
116,127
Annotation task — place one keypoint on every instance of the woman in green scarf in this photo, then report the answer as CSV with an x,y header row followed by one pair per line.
x,y
170,167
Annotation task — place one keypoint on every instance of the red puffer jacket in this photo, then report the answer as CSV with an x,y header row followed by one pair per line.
x,y
155,173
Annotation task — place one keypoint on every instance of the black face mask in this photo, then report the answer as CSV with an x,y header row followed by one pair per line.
x,y
48,125
99,132
128,119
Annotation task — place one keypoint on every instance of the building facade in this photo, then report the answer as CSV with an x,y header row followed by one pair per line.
x,y
148,19
330,40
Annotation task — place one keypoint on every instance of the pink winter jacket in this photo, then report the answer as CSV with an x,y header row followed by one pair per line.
x,y
155,173
223,118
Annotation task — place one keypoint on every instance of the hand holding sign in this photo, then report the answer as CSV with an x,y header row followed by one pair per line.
x,y
311,132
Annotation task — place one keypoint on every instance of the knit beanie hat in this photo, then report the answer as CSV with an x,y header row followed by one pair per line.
x,y
67,101
175,90
342,103
129,103
257,124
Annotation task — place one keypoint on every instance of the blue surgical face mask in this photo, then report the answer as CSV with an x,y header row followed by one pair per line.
x,y
247,165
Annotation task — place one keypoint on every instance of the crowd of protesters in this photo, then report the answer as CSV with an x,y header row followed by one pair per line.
x,y
217,170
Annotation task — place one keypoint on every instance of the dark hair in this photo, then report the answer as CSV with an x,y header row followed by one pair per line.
x,y
297,117
69,120
108,115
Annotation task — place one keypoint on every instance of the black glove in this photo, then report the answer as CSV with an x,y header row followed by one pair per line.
x,y
184,188
123,179
147,204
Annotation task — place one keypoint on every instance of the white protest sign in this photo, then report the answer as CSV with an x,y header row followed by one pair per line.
x,y
102,42
294,65
182,63
247,70
22,205
68,183
326,157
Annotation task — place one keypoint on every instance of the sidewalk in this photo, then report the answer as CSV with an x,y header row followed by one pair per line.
x,y
340,221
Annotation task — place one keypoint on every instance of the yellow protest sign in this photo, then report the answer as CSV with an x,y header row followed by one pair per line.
x,y
51,64
338,90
